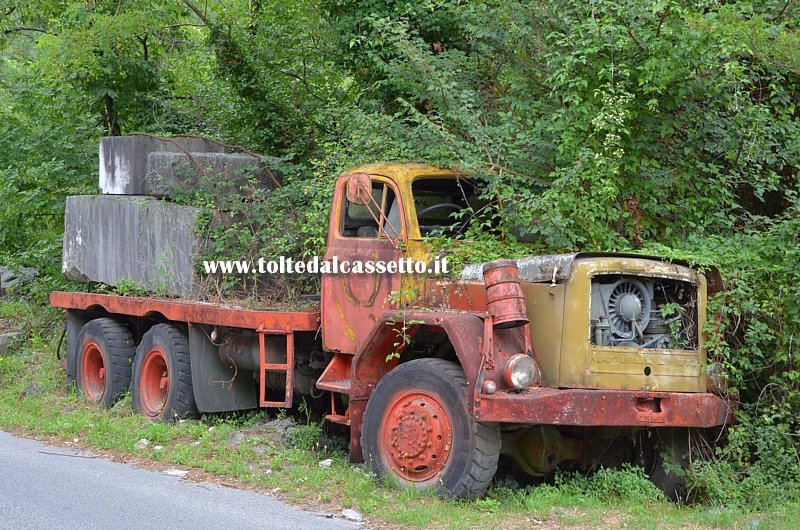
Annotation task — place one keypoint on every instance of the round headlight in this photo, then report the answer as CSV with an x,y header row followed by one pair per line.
x,y
520,372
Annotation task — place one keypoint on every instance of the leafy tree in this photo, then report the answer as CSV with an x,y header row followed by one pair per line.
x,y
279,62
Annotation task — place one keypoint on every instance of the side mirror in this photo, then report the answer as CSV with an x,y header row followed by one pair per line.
x,y
359,188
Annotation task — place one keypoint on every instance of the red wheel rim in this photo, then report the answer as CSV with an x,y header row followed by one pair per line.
x,y
93,372
154,383
416,438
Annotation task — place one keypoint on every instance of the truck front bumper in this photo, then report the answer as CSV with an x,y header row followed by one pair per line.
x,y
596,408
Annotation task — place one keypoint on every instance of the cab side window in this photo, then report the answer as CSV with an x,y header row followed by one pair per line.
x,y
359,220
443,204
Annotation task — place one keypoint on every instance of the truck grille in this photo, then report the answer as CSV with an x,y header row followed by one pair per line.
x,y
639,312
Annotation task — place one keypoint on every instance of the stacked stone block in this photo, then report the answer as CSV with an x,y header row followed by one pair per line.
x,y
130,232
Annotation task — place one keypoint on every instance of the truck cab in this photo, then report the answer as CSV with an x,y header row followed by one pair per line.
x,y
383,212
562,355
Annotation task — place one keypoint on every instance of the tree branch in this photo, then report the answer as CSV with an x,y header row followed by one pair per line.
x,y
23,28
786,5
145,48
631,34
661,17
303,80
170,26
197,12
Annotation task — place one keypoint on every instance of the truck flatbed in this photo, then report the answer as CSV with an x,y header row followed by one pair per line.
x,y
191,311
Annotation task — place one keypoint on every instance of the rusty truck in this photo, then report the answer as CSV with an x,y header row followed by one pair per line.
x,y
570,361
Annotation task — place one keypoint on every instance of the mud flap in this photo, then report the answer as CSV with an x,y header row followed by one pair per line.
x,y
217,387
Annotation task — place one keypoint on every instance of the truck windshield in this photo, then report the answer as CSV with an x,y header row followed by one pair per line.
x,y
444,205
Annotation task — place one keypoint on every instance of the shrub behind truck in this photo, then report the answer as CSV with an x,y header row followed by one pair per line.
x,y
570,361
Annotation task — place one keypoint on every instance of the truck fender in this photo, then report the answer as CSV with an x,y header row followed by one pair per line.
x,y
464,330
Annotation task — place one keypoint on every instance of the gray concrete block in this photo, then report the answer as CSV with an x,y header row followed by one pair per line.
x,y
123,160
6,339
10,278
168,173
112,239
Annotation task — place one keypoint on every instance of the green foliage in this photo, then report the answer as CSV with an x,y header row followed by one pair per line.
x,y
753,329
305,436
762,484
278,59
127,287
630,484
601,125
69,72
253,224
42,160
488,236
402,326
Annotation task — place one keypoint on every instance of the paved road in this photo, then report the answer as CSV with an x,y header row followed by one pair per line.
x,y
51,487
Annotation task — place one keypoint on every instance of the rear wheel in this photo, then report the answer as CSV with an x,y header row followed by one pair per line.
x,y
162,375
104,360
417,431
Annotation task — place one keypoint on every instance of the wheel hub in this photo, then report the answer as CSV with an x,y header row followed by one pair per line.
x,y
410,435
154,384
416,436
93,372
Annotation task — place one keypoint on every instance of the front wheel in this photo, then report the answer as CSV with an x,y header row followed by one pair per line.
x,y
162,375
417,430
664,451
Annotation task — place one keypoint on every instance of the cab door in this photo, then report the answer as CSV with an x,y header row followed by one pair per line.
x,y
366,228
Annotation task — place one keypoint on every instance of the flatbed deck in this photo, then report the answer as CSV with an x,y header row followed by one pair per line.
x,y
191,311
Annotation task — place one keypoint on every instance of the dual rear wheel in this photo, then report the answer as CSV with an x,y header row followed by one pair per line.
x,y
157,372
105,360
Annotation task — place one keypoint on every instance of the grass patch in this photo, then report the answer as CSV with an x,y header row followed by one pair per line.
x,y
33,402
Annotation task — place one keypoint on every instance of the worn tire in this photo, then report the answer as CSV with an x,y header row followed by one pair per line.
x,y
162,375
105,354
451,453
669,450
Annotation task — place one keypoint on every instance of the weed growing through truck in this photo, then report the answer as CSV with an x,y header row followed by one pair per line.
x,y
165,272
405,298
